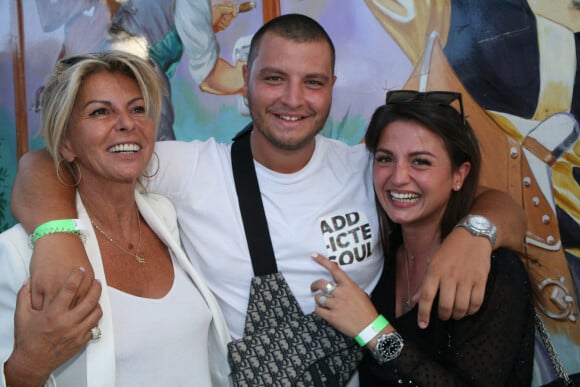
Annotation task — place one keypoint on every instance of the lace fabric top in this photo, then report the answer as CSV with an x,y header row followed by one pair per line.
x,y
494,347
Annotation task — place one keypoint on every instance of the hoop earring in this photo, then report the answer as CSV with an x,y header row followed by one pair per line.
x,y
73,169
156,170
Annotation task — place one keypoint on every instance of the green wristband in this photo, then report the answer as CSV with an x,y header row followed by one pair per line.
x,y
371,330
72,226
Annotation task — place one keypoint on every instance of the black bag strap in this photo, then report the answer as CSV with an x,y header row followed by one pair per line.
x,y
251,206
256,226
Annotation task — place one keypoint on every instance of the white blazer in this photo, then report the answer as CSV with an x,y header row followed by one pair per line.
x,y
94,366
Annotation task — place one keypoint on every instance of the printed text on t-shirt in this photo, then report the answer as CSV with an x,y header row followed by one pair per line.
x,y
347,237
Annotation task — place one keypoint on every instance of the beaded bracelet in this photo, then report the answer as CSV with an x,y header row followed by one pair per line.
x,y
371,330
71,226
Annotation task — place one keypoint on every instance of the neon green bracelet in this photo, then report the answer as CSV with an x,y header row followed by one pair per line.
x,y
371,330
72,226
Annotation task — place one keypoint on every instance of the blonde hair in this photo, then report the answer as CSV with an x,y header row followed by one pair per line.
x,y
63,84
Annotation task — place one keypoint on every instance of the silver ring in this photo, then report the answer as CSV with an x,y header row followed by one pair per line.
x,y
322,301
96,333
330,288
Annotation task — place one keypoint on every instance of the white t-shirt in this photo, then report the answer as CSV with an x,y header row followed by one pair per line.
x,y
327,207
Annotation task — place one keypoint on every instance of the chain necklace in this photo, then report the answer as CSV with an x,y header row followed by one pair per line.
x,y
408,301
135,254
407,306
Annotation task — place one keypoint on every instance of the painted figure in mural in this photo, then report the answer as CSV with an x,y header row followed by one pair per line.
x,y
531,95
158,30
163,30
99,115
89,19
426,170
212,73
306,181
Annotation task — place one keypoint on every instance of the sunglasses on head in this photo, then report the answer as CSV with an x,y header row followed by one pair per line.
x,y
436,97
70,61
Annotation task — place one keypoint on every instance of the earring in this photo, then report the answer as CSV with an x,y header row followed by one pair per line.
x,y
156,170
73,169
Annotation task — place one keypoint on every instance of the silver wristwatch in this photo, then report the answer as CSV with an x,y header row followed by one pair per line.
x,y
388,347
480,226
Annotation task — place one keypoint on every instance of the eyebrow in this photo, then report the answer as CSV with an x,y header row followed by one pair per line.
x,y
275,70
108,103
416,153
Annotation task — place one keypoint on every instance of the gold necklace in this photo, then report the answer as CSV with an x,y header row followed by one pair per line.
x,y
135,254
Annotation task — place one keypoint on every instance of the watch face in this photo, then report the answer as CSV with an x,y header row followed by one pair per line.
x,y
480,226
388,347
480,223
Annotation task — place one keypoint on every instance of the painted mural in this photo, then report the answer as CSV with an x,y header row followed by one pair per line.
x,y
515,61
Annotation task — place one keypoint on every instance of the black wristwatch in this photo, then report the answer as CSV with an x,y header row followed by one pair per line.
x,y
479,226
388,347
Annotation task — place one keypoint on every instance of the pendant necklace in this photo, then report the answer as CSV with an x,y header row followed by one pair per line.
x,y
138,258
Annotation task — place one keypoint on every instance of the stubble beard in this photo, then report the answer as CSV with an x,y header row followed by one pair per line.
x,y
279,143
286,145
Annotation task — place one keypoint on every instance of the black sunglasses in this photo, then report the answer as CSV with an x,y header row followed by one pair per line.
x,y
436,97
70,61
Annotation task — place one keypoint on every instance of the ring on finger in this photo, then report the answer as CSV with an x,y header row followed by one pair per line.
x,y
321,301
96,333
330,288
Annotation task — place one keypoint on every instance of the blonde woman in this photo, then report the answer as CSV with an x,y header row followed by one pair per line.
x,y
160,325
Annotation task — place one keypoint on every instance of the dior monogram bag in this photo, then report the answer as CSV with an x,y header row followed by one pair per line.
x,y
281,346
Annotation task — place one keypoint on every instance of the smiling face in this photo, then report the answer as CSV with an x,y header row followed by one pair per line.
x,y
110,136
289,92
412,174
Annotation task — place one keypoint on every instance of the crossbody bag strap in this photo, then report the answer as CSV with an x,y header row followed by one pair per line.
x,y
256,227
251,206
